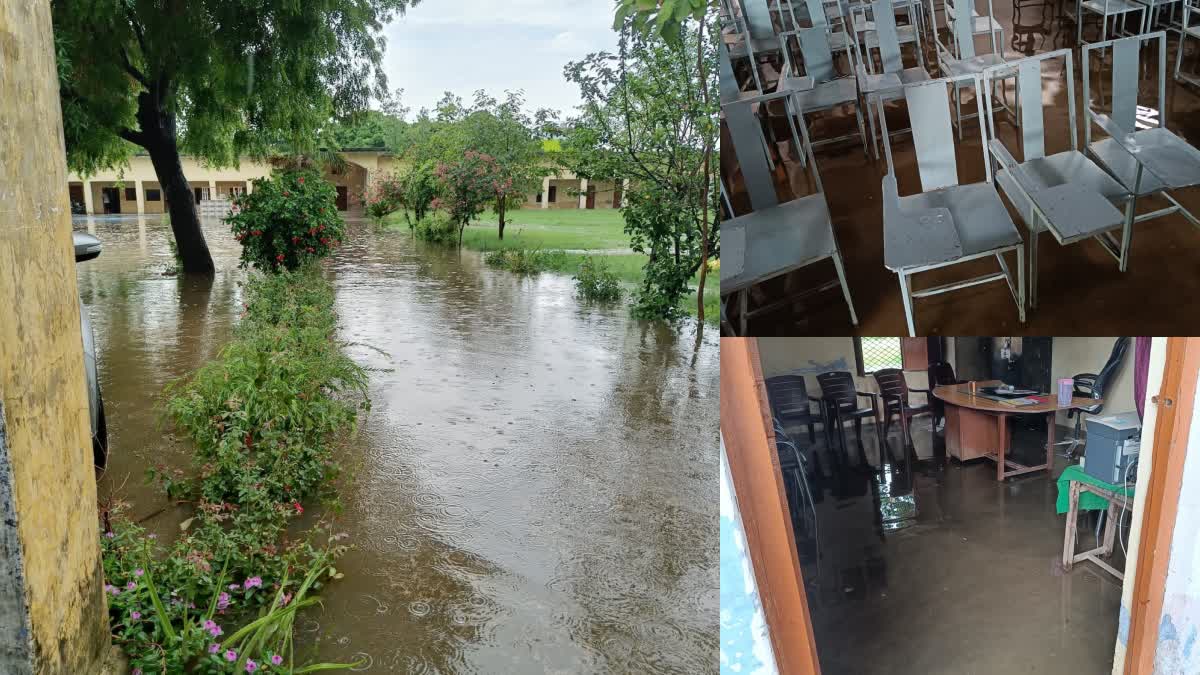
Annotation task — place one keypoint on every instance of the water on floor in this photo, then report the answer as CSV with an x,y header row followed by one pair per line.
x,y
930,565
532,490
1081,289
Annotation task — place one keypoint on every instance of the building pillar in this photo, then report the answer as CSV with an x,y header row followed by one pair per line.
x,y
583,193
141,197
87,197
212,189
53,617
546,192
249,186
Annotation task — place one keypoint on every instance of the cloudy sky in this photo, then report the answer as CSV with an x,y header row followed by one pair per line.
x,y
464,45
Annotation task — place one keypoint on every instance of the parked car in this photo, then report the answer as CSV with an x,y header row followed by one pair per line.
x,y
88,247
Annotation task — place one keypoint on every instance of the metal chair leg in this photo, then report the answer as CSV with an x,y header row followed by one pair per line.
x,y
841,272
908,310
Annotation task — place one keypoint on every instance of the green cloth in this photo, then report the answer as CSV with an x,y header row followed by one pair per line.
x,y
1088,501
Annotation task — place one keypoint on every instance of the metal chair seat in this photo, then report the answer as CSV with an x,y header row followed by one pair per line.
x,y
890,86
1167,149
982,24
1114,6
982,222
828,94
972,66
1068,167
780,239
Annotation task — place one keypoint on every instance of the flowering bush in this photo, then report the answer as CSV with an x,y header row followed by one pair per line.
x,y
287,219
262,418
384,196
468,186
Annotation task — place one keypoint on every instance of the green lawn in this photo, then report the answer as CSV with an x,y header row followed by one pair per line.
x,y
573,230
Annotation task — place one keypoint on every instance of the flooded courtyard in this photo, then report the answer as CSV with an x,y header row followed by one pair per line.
x,y
532,489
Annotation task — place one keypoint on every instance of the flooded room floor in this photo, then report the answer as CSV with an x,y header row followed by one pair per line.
x,y
932,566
1081,289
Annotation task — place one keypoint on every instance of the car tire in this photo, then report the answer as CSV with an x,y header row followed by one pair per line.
x,y
100,440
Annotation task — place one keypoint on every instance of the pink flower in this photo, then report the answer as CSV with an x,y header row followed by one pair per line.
x,y
135,615
283,601
137,671
214,648
138,572
230,655
222,600
212,628
130,586
252,582
276,659
233,587
251,666
110,535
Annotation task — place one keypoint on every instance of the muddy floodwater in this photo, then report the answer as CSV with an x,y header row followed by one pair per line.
x,y
532,491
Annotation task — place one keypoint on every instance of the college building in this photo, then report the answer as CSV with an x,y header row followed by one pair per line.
x,y
135,189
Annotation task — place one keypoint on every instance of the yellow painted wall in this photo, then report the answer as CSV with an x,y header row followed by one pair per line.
x,y
41,358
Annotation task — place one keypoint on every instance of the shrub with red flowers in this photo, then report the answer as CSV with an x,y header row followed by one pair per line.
x,y
468,186
286,220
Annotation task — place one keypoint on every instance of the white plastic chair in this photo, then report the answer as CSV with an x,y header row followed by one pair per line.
x,y
947,223
1064,192
1139,152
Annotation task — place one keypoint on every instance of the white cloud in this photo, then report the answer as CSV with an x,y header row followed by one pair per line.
x,y
465,45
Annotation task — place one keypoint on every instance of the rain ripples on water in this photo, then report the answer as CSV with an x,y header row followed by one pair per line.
x,y
532,489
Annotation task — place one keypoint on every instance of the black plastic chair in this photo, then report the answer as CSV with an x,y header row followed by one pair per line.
x,y
790,402
1090,385
940,374
894,391
840,395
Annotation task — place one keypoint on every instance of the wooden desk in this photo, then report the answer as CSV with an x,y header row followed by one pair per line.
x,y
978,427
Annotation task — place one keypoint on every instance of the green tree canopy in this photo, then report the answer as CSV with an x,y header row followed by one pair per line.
x,y
649,115
211,78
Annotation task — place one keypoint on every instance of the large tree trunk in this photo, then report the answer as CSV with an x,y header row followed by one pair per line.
x,y
158,137
501,206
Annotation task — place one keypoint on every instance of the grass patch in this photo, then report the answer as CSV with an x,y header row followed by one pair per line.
x,y
522,261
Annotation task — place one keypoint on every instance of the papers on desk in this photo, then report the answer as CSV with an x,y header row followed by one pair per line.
x,y
1020,401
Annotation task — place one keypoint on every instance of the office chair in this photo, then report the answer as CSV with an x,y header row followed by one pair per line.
x,y
1090,385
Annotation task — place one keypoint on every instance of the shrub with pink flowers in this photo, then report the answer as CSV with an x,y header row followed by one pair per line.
x,y
262,421
286,220
384,196
468,186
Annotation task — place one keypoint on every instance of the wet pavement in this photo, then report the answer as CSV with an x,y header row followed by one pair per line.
x,y
532,490
1081,290
932,566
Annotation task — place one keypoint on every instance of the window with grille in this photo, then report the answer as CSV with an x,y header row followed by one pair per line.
x,y
877,353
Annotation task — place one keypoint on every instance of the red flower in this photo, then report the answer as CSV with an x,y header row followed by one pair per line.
x,y
310,250
279,257
286,193
248,441
324,240
300,180
299,509
295,240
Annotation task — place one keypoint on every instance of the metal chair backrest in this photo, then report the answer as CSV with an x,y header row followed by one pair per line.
x,y
892,384
889,40
1126,63
1029,93
787,393
745,131
838,386
757,17
941,373
933,136
818,57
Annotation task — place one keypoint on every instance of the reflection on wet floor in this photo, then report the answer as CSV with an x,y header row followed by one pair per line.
x,y
532,490
921,564
1082,290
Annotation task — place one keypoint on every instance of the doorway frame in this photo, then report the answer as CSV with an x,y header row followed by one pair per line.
x,y
758,485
